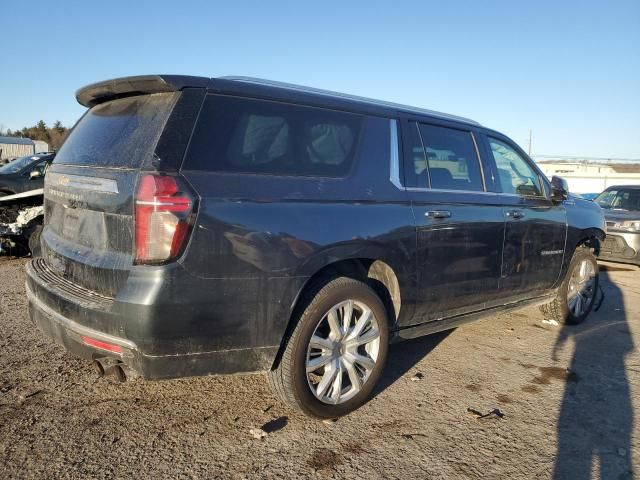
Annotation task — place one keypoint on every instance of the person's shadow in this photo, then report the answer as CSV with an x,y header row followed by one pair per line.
x,y
596,416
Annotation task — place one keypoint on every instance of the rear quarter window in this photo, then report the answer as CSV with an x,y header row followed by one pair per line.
x,y
119,134
260,137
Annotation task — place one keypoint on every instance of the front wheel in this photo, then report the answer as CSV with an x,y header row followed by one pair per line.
x,y
336,352
577,294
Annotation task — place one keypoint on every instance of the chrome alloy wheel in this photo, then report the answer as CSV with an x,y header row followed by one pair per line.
x,y
342,352
581,291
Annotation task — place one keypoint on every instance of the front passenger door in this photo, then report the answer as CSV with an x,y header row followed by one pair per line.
x,y
535,228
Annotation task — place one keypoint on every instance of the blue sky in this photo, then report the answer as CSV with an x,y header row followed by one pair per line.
x,y
567,70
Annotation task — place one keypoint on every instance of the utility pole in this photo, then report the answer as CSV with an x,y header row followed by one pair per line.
x,y
529,142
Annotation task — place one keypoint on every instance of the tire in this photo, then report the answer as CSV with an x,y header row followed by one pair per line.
x,y
332,300
564,310
33,240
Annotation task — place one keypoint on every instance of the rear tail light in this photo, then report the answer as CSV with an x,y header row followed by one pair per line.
x,y
163,218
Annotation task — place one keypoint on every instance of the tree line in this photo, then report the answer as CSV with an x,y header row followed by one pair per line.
x,y
54,135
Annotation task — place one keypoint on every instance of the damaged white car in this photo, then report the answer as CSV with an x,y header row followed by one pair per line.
x,y
21,217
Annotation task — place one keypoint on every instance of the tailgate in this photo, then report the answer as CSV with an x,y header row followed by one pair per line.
x,y
88,235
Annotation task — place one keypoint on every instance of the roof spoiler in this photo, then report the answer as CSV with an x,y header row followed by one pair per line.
x,y
100,92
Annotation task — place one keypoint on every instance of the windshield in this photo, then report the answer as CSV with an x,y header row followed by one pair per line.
x,y
17,165
621,199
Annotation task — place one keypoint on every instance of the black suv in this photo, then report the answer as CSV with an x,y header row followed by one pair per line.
x,y
197,226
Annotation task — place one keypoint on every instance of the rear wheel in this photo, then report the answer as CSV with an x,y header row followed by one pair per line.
x,y
337,351
577,293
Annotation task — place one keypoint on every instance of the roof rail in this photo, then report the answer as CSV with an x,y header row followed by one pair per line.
x,y
346,96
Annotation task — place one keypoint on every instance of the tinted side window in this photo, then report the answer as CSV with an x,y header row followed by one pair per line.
x,y
416,173
514,172
451,161
254,136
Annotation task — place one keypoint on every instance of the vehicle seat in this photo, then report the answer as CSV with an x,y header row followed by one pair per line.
x,y
442,178
422,179
506,181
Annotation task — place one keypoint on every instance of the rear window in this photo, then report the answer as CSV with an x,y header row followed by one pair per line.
x,y
253,136
119,134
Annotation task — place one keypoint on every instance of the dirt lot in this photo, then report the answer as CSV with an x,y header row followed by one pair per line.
x,y
568,396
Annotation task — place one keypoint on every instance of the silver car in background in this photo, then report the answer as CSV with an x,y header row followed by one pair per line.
x,y
621,205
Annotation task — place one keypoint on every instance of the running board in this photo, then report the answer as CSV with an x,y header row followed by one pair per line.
x,y
453,322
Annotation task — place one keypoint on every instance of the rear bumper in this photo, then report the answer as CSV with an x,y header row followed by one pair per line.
x,y
67,320
69,334
621,247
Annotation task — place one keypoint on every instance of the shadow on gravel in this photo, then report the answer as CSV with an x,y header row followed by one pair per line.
x,y
596,416
403,357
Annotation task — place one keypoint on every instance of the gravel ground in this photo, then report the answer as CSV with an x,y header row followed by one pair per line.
x,y
567,396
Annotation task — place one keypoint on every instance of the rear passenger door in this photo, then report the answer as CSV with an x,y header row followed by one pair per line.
x,y
536,227
460,224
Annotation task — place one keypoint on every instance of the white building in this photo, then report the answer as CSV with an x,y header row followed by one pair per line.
x,y
591,176
41,146
14,147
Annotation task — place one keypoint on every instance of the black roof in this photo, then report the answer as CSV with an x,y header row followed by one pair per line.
x,y
129,86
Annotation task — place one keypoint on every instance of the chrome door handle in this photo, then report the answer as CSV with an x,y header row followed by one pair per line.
x,y
438,214
515,214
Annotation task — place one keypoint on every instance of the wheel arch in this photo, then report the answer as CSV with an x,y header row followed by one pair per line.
x,y
370,269
591,238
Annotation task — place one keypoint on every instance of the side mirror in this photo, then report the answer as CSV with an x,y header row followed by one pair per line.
x,y
559,189
35,174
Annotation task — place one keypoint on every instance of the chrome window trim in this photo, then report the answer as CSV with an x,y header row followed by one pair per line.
x,y
537,197
424,150
394,154
475,145
444,190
